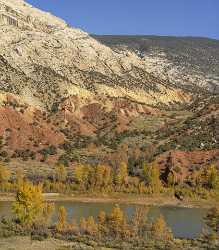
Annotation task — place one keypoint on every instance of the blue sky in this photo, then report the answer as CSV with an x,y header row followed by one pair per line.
x,y
148,17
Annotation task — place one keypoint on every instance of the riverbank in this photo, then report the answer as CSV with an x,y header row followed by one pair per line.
x,y
123,199
25,242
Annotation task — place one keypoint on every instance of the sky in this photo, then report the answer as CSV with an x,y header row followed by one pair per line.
x,y
138,17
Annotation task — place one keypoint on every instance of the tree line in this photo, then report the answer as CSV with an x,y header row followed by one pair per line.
x,y
32,215
106,179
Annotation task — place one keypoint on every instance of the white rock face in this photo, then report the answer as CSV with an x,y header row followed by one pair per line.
x,y
43,60
187,62
26,14
160,66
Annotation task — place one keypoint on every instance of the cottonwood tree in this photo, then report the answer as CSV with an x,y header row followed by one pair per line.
x,y
91,227
160,230
5,175
212,177
151,176
121,174
117,222
60,173
62,219
212,220
29,206
138,221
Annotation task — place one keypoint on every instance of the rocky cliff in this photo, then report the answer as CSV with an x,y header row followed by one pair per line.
x,y
43,60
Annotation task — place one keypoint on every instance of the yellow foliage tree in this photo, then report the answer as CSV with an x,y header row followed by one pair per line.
x,y
102,227
103,177
102,217
170,179
29,206
62,219
212,220
81,175
212,177
19,176
160,230
117,215
121,174
74,226
60,173
47,211
138,220
83,225
151,176
107,179
117,221
92,227
5,175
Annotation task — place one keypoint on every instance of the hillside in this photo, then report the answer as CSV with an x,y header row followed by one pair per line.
x,y
43,60
67,96
188,61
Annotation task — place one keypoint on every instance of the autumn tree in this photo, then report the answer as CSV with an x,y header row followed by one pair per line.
x,y
151,176
102,177
73,226
117,221
60,173
62,219
47,212
138,221
107,177
91,226
121,174
99,176
160,230
212,220
171,179
29,206
19,176
81,175
83,225
5,175
212,176
101,217
102,228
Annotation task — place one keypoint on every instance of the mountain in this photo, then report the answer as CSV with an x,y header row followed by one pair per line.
x,y
47,60
67,96
190,61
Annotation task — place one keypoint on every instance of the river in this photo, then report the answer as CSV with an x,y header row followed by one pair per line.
x,y
184,222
